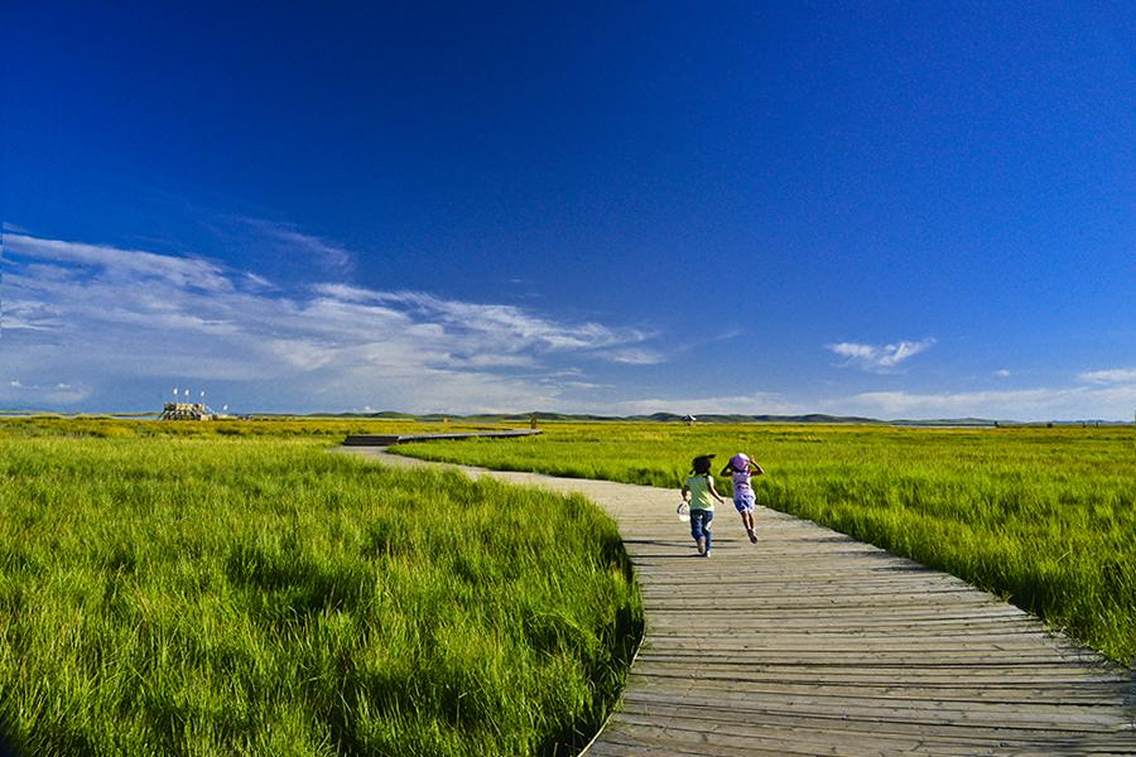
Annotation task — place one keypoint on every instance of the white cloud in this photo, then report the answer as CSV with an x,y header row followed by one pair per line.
x,y
116,316
344,292
1002,373
635,356
19,314
41,396
1110,376
496,361
82,322
1040,404
1018,404
757,403
879,358
577,384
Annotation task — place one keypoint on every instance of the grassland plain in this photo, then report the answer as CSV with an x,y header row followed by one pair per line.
x,y
119,427
183,589
1042,516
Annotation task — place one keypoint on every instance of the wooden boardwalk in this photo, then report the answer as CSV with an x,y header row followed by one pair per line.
x,y
812,643
387,440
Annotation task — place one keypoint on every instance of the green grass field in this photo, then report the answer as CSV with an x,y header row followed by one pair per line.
x,y
217,589
117,427
1045,517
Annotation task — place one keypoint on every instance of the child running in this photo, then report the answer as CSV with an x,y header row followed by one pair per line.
x,y
743,467
699,491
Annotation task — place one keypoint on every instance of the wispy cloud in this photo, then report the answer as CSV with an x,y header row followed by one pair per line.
x,y
882,358
104,316
513,326
122,264
292,241
1109,376
1003,373
1019,404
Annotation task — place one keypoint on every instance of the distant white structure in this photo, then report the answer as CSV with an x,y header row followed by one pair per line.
x,y
186,411
190,411
689,419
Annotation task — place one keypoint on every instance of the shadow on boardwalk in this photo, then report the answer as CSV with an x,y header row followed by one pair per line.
x,y
812,643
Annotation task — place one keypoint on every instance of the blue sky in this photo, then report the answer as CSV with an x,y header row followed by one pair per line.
x,y
893,209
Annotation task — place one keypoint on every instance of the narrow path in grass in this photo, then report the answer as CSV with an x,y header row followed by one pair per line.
x,y
810,642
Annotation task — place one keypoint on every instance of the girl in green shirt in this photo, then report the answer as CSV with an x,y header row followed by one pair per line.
x,y
700,494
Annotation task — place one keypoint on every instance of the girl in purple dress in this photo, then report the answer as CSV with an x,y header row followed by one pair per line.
x,y
742,468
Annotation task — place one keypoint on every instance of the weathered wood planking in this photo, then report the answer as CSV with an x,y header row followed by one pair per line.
x,y
387,440
812,643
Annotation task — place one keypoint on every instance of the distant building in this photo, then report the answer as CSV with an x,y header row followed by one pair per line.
x,y
186,411
689,419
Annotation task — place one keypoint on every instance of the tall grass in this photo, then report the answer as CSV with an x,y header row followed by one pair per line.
x,y
216,596
1044,517
116,427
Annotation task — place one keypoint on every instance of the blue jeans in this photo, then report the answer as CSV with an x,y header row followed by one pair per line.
x,y
700,525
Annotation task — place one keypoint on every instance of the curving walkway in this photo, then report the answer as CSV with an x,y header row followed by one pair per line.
x,y
812,643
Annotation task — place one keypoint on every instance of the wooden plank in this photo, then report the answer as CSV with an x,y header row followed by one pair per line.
x,y
702,736
1026,717
804,740
774,688
813,643
849,675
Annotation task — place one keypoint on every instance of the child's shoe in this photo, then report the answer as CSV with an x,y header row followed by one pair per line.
x,y
702,545
752,536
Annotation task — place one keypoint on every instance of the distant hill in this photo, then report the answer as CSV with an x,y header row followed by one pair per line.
x,y
738,418
946,422
662,417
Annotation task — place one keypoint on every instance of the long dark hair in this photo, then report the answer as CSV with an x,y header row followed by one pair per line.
x,y
700,466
